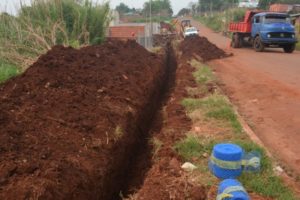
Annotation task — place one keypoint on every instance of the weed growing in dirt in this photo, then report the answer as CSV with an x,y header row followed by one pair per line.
x,y
157,144
7,71
118,133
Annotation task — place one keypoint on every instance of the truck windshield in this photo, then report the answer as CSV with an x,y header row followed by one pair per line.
x,y
276,19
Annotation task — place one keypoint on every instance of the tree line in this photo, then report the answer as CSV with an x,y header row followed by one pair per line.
x,y
203,6
158,7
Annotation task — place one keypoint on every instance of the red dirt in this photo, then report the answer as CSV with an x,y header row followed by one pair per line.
x,y
59,136
200,46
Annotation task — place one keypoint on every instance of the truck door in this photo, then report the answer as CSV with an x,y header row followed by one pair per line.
x,y
256,24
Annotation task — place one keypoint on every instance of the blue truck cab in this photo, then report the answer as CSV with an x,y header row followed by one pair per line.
x,y
270,29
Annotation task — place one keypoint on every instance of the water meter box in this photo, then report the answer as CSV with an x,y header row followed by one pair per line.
x,y
226,161
231,189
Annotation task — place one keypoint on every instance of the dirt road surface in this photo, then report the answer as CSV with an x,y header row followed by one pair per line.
x,y
266,89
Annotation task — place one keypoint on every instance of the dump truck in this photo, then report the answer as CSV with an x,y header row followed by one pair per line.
x,y
264,29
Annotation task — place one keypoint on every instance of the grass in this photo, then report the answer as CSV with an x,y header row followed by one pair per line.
x,y
36,28
157,144
203,73
214,106
7,71
193,146
190,147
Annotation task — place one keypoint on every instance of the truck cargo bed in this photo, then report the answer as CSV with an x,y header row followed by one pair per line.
x,y
240,27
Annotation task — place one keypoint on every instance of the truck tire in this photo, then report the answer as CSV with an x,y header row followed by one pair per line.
x,y
289,48
258,45
236,41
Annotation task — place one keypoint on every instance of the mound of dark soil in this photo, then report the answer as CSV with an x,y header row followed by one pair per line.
x,y
70,123
200,46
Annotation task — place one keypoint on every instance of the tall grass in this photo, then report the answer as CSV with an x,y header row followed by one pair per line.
x,y
45,23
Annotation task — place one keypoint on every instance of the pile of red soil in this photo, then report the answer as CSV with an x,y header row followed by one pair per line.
x,y
200,46
70,123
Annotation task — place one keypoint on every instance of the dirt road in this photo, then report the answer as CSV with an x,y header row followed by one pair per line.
x,y
266,89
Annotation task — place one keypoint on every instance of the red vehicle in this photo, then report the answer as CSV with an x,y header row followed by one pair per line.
x,y
241,29
264,29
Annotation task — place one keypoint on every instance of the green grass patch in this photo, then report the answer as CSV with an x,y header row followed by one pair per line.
x,y
193,147
7,71
214,106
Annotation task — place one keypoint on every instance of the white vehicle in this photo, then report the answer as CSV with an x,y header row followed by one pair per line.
x,y
190,31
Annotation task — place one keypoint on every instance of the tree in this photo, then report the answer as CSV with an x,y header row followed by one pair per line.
x,y
215,5
122,8
162,7
264,4
184,11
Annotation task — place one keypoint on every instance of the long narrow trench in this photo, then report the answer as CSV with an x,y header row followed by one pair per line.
x,y
141,158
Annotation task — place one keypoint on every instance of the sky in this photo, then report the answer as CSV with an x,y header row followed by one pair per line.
x,y
11,5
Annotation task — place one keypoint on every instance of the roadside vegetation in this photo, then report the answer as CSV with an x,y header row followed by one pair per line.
x,y
215,121
298,30
298,46
44,24
7,71
220,21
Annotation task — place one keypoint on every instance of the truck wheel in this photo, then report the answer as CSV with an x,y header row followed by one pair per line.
x,y
236,41
289,48
258,45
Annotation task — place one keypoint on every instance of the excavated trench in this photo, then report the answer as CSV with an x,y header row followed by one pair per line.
x,y
151,120
142,153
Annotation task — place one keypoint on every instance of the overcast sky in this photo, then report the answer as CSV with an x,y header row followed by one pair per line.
x,y
11,5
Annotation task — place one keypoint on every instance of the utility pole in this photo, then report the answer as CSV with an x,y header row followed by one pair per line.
x,y
211,5
151,31
151,18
